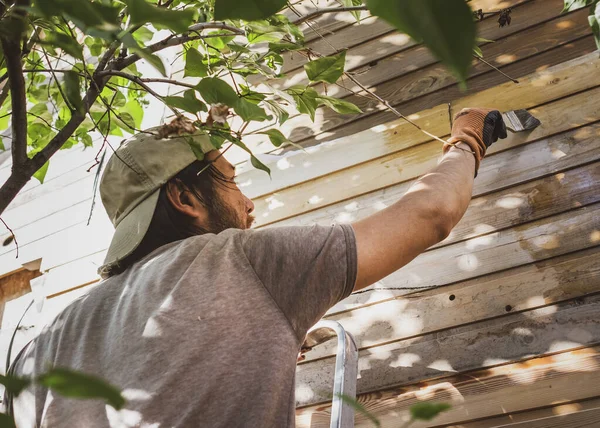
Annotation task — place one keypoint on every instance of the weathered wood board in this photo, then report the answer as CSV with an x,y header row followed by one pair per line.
x,y
565,376
297,167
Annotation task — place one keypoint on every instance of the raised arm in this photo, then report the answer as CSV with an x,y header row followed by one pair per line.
x,y
433,205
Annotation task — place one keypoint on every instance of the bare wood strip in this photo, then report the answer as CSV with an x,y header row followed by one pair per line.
x,y
329,125
533,200
408,164
394,136
567,376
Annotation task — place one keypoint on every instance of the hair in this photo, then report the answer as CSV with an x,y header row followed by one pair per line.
x,y
168,224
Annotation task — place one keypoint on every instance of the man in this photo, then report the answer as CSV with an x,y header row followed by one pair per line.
x,y
200,319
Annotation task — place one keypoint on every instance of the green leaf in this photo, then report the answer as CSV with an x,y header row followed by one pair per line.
x,y
124,121
571,5
276,137
40,174
14,384
248,10
188,102
4,122
328,69
262,31
477,51
284,46
73,384
594,20
256,163
215,90
305,99
194,65
72,92
436,24
143,34
349,3
277,110
2,147
136,111
428,411
155,61
142,12
359,408
6,421
249,111
66,43
337,105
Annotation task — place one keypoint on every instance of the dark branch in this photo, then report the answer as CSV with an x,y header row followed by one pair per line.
x,y
136,79
12,53
178,40
323,11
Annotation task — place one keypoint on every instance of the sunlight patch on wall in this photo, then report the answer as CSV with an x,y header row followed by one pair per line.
x,y
510,202
405,360
441,365
468,262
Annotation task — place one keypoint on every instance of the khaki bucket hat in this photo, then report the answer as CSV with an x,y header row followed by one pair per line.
x,y
132,180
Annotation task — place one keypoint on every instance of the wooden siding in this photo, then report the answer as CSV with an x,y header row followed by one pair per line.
x,y
507,330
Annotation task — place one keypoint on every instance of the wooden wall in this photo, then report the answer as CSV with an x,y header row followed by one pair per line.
x,y
507,328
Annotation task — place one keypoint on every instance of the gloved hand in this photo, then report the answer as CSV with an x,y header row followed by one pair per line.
x,y
478,128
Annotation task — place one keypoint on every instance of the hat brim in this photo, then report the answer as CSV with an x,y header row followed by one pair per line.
x,y
131,230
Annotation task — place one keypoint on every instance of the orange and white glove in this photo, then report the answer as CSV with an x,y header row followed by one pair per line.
x,y
478,128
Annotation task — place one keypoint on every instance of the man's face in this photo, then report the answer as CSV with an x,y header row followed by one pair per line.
x,y
233,209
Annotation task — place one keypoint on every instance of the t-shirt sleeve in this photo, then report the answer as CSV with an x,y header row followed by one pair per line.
x,y
306,269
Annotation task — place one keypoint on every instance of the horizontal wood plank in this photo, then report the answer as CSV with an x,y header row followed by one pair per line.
x,y
523,39
471,300
297,167
563,409
528,243
408,164
565,376
328,125
582,419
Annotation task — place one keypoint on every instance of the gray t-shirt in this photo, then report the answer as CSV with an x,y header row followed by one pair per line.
x,y
202,332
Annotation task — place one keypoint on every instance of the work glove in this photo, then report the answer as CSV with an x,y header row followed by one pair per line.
x,y
478,128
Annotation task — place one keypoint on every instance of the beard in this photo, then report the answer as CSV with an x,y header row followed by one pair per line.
x,y
222,217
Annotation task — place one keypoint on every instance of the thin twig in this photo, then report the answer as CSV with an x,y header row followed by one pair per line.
x,y
60,90
496,68
178,40
393,110
323,11
96,179
137,79
13,236
148,89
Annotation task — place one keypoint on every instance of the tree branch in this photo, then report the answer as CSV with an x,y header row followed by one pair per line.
x,y
137,79
323,11
12,53
178,40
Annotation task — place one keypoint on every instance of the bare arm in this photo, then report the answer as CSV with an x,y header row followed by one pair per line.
x,y
422,217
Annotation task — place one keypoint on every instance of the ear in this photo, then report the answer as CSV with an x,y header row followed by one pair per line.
x,y
183,200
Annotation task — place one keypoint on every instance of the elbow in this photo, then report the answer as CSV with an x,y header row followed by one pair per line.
x,y
445,218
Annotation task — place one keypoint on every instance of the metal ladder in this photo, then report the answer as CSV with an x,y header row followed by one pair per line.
x,y
346,369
